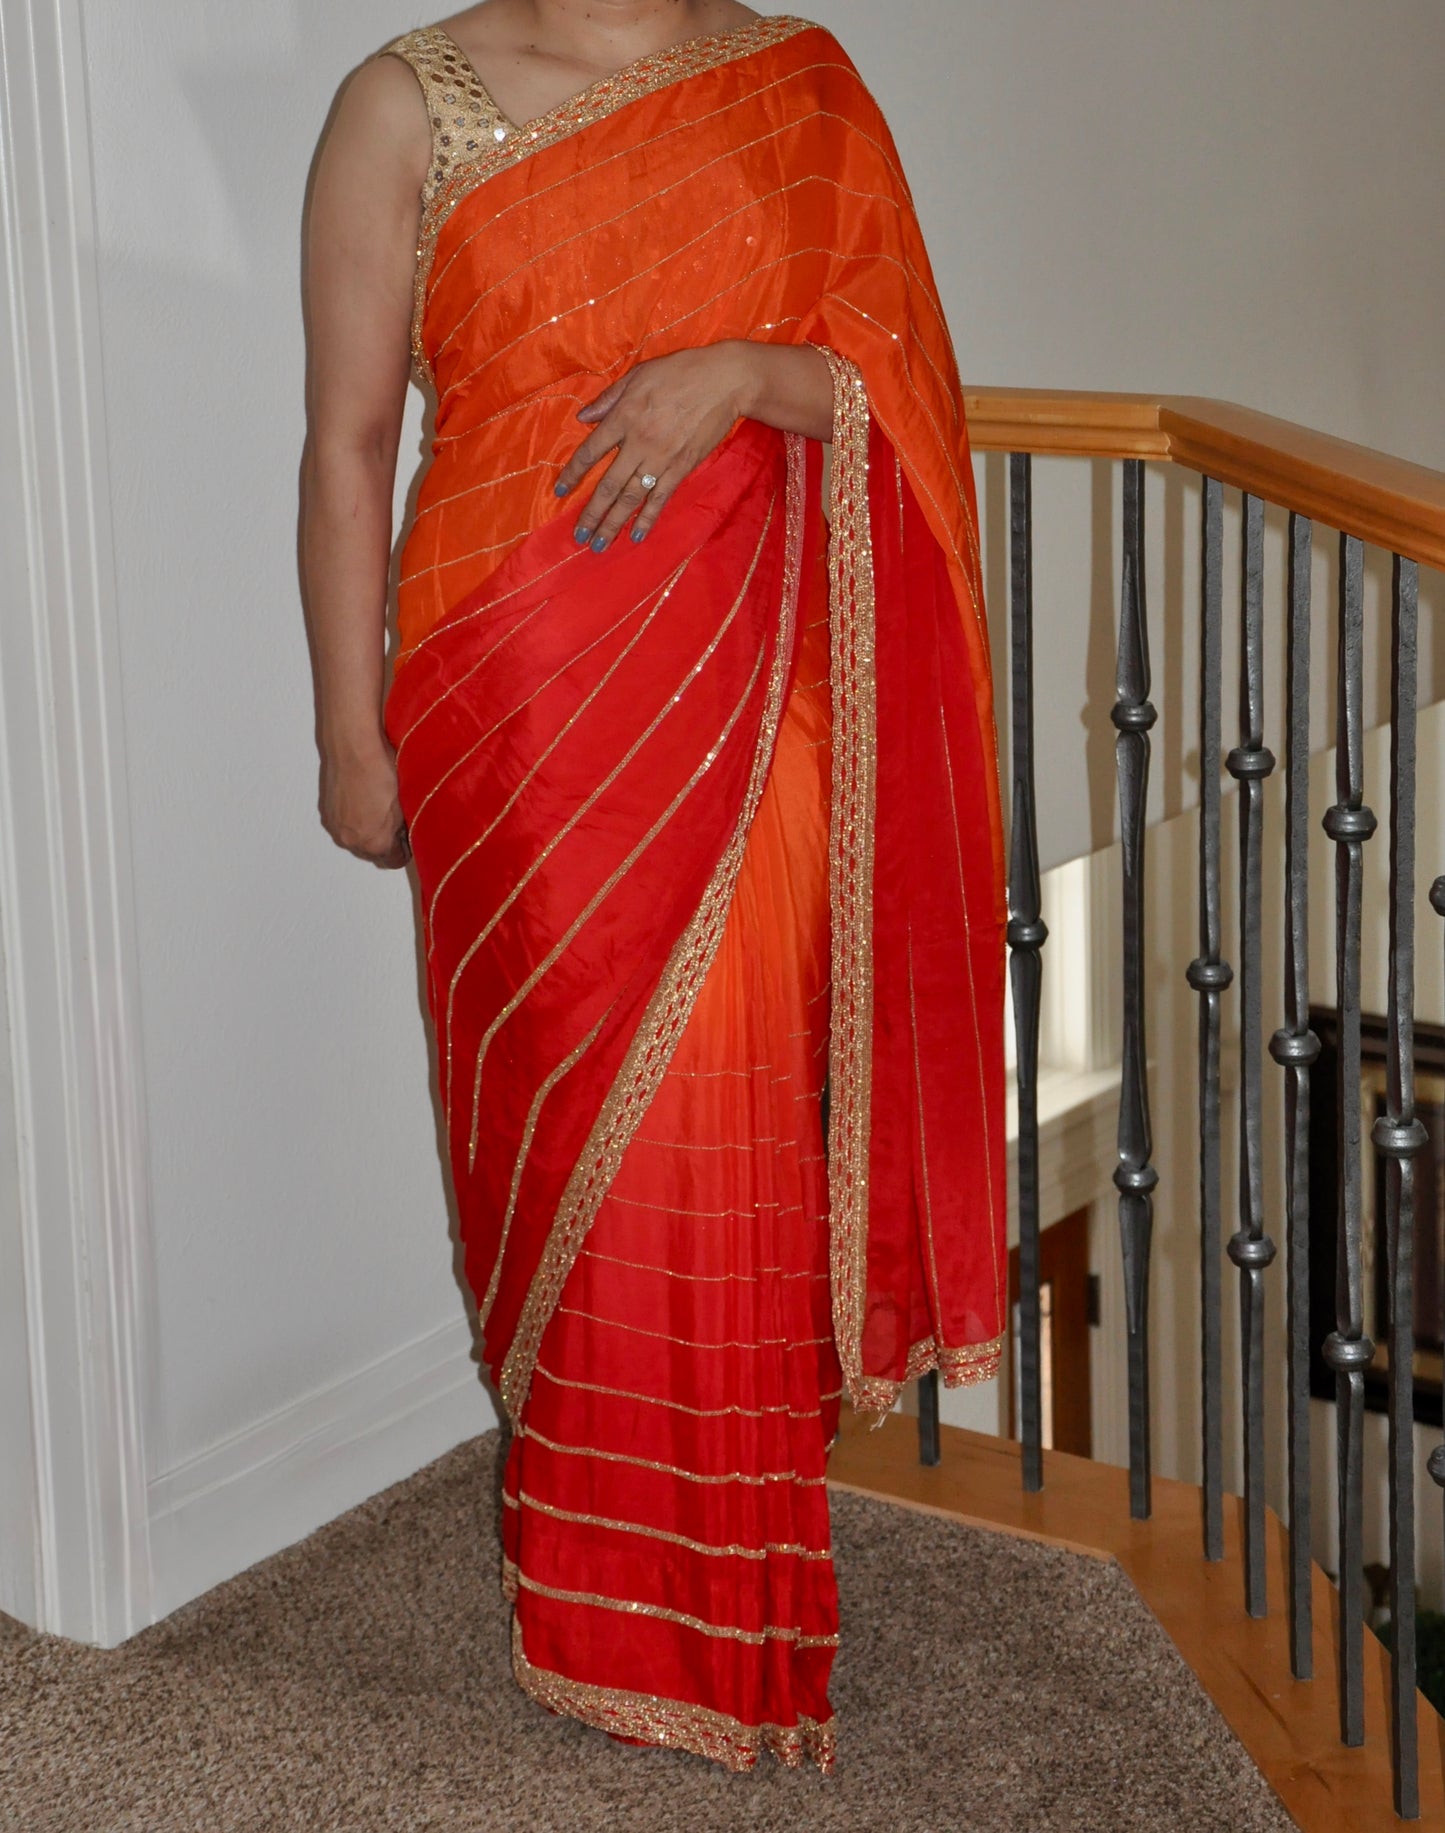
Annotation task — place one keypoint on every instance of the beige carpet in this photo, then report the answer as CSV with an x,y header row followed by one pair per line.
x,y
360,1681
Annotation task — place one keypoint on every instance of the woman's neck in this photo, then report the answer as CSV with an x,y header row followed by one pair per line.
x,y
615,31
535,54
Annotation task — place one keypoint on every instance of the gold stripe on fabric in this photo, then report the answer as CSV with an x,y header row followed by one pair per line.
x,y
691,1145
512,712
487,483
784,1549
665,593
851,840
674,1724
567,1064
666,1336
475,553
476,668
754,1480
969,573
703,1215
923,1142
519,404
605,890
993,1220
450,623
757,1637
527,778
595,179
762,201
671,1005
758,202
672,65
713,1279
733,1412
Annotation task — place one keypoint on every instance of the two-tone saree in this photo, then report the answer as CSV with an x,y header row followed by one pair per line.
x,y
710,853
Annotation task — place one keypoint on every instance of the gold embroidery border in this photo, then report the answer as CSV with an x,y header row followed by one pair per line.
x,y
853,675
850,863
671,1005
965,1366
674,64
673,1723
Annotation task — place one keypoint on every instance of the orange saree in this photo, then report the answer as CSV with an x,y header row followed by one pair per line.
x,y
701,824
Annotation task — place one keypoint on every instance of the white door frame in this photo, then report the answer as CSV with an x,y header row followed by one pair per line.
x,y
74,1196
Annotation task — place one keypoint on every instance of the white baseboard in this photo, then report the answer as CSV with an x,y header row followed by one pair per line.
x,y
277,1481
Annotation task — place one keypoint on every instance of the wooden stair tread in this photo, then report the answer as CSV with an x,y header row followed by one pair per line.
x,y
1289,1727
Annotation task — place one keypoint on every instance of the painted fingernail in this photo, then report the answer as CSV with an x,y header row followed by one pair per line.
x,y
639,534
599,544
584,535
562,489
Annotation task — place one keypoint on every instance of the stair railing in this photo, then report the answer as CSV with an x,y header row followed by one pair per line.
x,y
1367,498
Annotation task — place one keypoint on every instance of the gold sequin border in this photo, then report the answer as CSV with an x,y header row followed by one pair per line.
x,y
852,615
450,182
671,1005
965,1366
673,1723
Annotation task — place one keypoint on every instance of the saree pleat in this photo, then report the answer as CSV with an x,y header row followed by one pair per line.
x,y
699,825
666,1525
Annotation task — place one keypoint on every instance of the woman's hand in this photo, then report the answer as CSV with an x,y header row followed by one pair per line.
x,y
359,804
664,417
661,419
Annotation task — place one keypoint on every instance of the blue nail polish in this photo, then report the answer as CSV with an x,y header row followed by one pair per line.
x,y
561,489
584,535
639,534
599,544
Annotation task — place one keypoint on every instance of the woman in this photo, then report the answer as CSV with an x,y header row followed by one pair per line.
x,y
701,790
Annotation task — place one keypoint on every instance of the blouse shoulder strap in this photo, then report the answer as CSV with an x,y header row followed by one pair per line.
x,y
464,118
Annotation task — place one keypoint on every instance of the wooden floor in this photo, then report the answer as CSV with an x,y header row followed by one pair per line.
x,y
1289,1727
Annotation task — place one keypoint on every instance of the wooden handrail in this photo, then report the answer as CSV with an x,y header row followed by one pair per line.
x,y
1385,501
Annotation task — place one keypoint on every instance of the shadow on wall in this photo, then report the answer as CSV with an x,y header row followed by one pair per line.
x,y
404,513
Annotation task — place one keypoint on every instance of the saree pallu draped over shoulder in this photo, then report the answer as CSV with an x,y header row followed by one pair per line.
x,y
696,820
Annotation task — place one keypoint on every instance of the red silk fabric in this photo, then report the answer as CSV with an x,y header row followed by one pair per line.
x,y
674,1449
575,746
612,806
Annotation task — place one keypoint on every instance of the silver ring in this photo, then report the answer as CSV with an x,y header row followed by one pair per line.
x,y
648,481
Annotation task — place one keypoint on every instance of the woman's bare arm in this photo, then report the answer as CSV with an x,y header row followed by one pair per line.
x,y
359,263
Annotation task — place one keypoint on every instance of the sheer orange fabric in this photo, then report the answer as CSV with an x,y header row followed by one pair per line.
x,y
697,822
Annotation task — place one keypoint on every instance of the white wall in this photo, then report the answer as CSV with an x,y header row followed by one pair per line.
x,y
1221,199
302,1263
1233,199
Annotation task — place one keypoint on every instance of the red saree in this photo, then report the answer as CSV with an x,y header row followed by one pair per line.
x,y
697,821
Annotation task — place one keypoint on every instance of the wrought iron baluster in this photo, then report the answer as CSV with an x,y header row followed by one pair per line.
x,y
1398,1136
1210,976
1436,1465
930,1449
1027,933
1250,1248
1134,1176
1295,1047
1347,1350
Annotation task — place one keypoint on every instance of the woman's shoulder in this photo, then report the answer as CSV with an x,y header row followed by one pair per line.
x,y
379,102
